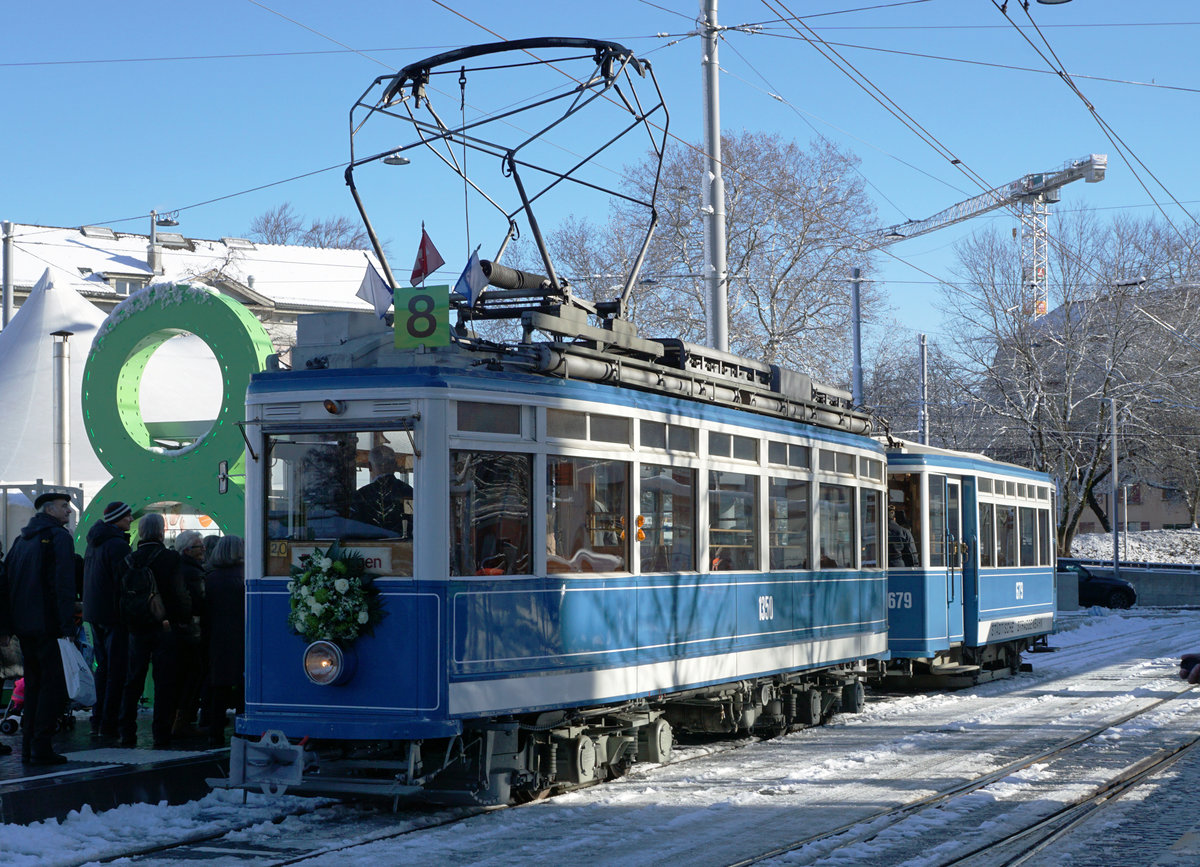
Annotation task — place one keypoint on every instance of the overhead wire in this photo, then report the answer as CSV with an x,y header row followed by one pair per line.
x,y
1123,149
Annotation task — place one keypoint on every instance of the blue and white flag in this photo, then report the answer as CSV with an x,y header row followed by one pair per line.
x,y
374,291
473,281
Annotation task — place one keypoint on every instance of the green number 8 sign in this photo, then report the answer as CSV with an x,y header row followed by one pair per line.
x,y
144,473
422,317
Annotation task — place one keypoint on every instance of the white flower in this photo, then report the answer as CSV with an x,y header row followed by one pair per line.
x,y
326,564
363,617
341,585
291,585
304,591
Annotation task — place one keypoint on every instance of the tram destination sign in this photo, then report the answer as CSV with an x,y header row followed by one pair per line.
x,y
422,317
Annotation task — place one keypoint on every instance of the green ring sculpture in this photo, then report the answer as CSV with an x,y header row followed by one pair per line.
x,y
143,473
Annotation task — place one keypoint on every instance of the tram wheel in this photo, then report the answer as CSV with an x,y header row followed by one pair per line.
x,y
528,796
854,697
655,742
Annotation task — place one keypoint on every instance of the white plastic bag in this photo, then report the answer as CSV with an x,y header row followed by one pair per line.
x,y
81,686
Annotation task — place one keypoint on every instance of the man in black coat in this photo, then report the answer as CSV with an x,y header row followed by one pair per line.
x,y
158,646
382,501
103,566
40,578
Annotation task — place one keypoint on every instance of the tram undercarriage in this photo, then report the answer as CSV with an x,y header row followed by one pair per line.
x,y
516,760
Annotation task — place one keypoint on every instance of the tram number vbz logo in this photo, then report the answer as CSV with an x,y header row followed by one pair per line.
x,y
766,608
422,317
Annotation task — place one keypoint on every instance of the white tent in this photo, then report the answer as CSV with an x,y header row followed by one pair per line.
x,y
26,386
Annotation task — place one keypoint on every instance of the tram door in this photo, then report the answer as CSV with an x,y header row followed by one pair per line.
x,y
945,553
954,558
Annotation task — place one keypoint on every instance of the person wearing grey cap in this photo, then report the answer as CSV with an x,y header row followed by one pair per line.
x,y
41,609
103,565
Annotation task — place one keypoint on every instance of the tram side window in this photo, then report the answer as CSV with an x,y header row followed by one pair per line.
x,y
491,526
587,504
355,488
835,521
1043,518
668,510
732,521
937,520
789,523
1006,535
987,534
872,528
1028,530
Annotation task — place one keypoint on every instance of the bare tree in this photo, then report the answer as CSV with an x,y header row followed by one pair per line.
x,y
1043,384
793,220
282,225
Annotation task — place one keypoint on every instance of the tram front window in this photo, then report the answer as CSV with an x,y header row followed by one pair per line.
x,y
354,488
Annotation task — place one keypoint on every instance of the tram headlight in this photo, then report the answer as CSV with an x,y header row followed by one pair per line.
x,y
326,664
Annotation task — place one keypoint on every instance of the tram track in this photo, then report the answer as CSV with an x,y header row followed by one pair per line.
x,y
870,827
1072,815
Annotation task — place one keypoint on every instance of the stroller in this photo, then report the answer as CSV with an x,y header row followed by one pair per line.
x,y
10,724
11,721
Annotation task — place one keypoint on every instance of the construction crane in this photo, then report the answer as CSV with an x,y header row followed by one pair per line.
x,y
1032,195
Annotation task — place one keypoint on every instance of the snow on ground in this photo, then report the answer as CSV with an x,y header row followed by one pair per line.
x,y
698,801
1146,546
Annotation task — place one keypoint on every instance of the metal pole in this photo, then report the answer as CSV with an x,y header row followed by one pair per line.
x,y
6,226
923,412
1116,512
856,337
714,186
62,409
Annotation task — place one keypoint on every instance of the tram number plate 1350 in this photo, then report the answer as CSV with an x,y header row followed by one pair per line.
x,y
422,317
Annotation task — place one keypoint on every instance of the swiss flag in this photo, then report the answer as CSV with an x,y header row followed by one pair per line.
x,y
428,259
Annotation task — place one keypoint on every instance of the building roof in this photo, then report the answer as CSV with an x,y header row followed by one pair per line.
x,y
288,278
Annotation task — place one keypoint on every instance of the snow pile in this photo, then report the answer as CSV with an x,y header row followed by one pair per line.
x,y
1147,546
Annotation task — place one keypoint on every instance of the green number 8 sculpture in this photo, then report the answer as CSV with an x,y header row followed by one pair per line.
x,y
144,473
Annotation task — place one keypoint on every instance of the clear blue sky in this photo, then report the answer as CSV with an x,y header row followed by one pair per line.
x,y
110,110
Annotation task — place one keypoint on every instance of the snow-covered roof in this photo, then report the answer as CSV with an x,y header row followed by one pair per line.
x,y
289,277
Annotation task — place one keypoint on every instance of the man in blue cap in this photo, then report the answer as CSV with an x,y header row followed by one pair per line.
x,y
40,596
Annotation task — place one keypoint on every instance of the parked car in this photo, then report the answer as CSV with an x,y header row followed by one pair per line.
x,y
1098,588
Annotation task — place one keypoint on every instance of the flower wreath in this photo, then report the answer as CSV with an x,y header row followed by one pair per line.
x,y
332,596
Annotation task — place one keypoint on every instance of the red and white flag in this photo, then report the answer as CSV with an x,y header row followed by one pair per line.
x,y
428,259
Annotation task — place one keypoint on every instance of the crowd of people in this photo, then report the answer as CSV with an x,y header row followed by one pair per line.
x,y
192,646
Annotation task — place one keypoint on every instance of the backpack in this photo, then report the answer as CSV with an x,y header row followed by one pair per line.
x,y
141,605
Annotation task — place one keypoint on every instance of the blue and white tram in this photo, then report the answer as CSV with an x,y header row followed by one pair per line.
x,y
976,587
584,551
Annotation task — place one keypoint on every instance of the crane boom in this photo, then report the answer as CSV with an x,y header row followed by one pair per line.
x,y
1041,186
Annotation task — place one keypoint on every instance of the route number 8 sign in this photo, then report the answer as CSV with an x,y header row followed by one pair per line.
x,y
422,317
